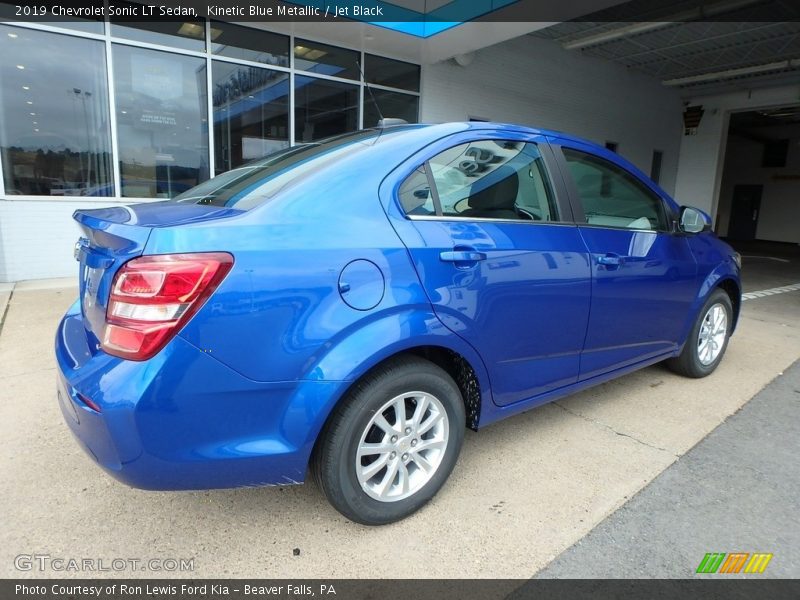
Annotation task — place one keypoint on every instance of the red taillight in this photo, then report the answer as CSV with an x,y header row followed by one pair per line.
x,y
153,296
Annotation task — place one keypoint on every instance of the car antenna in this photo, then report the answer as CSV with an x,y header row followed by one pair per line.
x,y
374,102
369,89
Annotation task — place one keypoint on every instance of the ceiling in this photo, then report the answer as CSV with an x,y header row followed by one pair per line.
x,y
776,119
695,47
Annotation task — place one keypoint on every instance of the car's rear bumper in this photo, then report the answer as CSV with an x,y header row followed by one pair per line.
x,y
183,420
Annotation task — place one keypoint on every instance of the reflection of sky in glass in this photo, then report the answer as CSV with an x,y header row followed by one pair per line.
x,y
62,83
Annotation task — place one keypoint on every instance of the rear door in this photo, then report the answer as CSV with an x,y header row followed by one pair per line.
x,y
643,275
493,242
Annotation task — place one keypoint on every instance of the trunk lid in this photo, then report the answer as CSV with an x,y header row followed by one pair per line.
x,y
108,241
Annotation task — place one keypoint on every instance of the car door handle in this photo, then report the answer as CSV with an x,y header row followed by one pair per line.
x,y
462,256
609,260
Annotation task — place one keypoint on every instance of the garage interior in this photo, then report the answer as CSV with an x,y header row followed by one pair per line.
x,y
736,65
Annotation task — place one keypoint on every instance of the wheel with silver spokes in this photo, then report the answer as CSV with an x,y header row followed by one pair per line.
x,y
402,446
708,339
713,332
392,442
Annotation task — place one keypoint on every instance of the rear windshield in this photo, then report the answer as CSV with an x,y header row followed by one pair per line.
x,y
259,181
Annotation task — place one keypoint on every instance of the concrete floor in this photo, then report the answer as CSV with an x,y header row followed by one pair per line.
x,y
524,490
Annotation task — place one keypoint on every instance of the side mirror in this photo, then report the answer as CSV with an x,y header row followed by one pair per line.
x,y
694,220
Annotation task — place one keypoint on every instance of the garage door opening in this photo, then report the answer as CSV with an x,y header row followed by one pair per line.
x,y
759,198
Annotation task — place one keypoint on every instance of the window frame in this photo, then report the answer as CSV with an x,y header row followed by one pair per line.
x,y
551,172
557,146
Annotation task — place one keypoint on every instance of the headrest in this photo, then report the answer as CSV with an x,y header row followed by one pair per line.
x,y
501,194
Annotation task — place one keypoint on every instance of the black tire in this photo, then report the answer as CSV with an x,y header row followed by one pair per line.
x,y
688,363
334,462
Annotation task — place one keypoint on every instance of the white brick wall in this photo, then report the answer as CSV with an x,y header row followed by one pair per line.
x,y
535,82
37,238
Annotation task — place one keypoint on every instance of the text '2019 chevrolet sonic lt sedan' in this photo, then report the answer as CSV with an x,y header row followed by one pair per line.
x,y
348,308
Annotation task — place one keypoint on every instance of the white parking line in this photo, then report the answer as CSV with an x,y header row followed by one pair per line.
x,y
775,258
772,291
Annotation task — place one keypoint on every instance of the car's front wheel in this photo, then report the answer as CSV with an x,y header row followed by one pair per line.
x,y
708,339
392,443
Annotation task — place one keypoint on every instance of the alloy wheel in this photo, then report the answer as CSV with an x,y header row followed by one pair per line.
x,y
402,446
711,338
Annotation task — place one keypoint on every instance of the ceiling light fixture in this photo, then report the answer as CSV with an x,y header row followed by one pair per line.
x,y
192,30
731,73
693,14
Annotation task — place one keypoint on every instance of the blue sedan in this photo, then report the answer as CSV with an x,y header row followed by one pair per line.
x,y
348,308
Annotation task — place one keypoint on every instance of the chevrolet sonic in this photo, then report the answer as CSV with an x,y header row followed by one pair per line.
x,y
348,308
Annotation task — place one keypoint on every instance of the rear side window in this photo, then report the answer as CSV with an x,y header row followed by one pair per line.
x,y
415,194
486,179
258,182
612,197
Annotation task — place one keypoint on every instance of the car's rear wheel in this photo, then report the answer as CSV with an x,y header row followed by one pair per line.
x,y
708,339
392,443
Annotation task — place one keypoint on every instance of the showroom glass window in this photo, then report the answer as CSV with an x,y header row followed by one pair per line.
x,y
186,33
612,197
146,109
162,126
380,71
54,116
484,179
251,113
323,108
246,43
326,60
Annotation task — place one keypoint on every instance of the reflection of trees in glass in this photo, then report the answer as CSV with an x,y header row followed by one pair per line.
x,y
56,173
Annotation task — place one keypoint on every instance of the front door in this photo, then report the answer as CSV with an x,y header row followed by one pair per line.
x,y
745,206
643,275
499,259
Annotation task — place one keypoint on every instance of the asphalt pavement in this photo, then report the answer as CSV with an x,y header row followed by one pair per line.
x,y
738,490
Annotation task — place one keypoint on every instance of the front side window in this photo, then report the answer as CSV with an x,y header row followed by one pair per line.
x,y
612,197
486,179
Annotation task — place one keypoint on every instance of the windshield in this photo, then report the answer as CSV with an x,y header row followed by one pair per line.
x,y
259,181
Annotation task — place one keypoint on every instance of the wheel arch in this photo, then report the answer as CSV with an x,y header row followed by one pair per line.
x,y
455,364
734,291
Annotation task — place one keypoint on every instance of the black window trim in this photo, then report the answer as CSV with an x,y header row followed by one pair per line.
x,y
574,196
552,172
